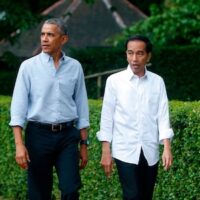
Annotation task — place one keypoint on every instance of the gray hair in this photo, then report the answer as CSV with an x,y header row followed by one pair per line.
x,y
58,22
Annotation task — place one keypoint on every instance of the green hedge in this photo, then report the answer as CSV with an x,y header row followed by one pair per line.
x,y
180,183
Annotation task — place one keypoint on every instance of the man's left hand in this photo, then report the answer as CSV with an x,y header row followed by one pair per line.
x,y
83,156
167,158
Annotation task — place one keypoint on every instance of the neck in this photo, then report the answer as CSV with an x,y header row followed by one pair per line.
x,y
56,57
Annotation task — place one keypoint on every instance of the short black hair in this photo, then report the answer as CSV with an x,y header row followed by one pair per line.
x,y
60,23
143,38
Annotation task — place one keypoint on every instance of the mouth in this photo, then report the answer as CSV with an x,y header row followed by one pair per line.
x,y
134,65
45,46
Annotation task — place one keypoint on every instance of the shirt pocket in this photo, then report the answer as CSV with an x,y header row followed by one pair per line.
x,y
67,87
153,102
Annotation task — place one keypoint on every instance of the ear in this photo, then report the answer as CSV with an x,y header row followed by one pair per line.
x,y
149,57
65,39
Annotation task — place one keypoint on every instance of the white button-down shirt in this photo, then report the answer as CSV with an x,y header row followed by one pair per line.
x,y
135,115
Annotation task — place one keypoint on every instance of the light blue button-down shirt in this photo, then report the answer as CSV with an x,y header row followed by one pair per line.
x,y
45,94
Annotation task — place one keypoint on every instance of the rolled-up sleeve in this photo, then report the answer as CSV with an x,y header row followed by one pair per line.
x,y
19,103
106,126
164,127
81,102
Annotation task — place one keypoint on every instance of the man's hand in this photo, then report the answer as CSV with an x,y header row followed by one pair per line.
x,y
22,157
83,156
167,157
83,149
106,159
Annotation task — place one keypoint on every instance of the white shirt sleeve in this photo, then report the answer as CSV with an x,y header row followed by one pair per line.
x,y
107,113
165,130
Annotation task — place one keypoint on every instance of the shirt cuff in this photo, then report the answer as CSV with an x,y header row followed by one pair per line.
x,y
82,124
16,121
102,136
166,134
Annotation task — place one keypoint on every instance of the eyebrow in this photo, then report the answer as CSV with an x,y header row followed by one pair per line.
x,y
48,33
129,50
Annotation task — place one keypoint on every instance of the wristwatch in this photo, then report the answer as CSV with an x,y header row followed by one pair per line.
x,y
86,142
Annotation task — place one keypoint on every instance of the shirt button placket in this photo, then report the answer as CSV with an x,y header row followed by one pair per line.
x,y
57,95
140,104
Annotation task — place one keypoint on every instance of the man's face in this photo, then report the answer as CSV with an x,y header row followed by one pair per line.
x,y
51,39
137,56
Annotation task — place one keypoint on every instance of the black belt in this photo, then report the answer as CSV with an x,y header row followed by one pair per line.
x,y
56,127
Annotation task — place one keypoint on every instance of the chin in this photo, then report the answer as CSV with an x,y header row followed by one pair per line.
x,y
135,69
46,51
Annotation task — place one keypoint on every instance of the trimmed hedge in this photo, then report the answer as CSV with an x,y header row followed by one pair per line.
x,y
180,183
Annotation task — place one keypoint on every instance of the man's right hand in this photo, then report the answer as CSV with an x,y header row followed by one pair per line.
x,y
106,159
22,157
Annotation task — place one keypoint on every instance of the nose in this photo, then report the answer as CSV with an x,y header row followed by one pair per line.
x,y
44,37
134,57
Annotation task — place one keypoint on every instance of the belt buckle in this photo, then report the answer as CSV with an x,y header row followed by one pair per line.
x,y
56,127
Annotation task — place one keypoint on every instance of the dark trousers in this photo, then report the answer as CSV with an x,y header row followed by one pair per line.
x,y
46,150
137,181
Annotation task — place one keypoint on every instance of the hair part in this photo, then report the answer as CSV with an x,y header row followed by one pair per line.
x,y
58,22
142,38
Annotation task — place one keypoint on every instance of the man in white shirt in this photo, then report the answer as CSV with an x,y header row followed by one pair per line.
x,y
135,120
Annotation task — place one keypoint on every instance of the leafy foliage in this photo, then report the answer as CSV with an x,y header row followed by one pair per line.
x,y
14,19
176,23
11,177
145,5
180,182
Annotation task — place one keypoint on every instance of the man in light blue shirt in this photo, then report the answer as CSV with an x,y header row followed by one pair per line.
x,y
50,95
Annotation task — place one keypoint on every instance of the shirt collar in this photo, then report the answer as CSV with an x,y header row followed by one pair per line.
x,y
46,57
131,75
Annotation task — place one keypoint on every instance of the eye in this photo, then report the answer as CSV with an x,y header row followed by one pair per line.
x,y
140,53
129,53
50,34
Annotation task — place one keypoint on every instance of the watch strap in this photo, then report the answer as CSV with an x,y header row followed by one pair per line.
x,y
86,142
